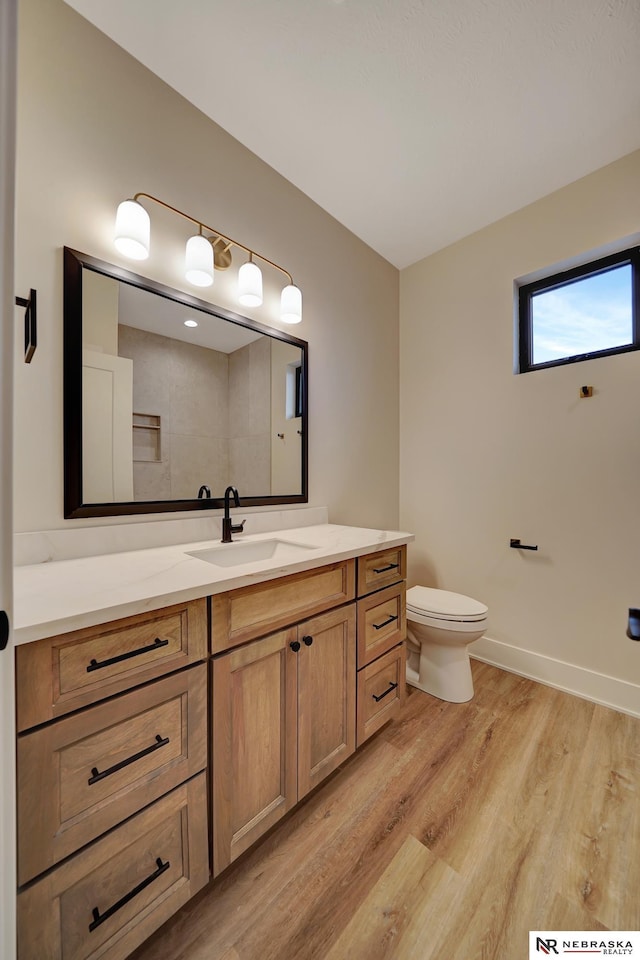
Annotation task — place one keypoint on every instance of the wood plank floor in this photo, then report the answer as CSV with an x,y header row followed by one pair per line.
x,y
451,834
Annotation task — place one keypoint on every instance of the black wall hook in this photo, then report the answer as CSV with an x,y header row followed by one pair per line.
x,y
30,324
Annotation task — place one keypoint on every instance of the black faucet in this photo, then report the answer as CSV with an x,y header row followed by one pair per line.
x,y
204,491
227,526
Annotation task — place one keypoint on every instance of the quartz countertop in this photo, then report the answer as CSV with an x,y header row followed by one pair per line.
x,y
58,596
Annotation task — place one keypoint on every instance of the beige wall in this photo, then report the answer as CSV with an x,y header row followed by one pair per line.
x,y
487,455
94,127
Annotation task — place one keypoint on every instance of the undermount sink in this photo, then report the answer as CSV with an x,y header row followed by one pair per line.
x,y
234,554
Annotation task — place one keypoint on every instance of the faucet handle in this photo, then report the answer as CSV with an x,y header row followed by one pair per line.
x,y
238,527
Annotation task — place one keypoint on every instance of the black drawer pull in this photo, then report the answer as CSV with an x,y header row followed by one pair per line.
x,y
307,641
99,664
99,918
390,566
392,686
95,775
385,623
295,646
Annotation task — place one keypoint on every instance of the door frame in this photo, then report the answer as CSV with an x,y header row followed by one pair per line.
x,y
8,84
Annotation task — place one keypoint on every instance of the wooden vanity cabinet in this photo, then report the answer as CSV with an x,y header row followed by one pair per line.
x,y
283,720
291,705
112,787
114,814
382,629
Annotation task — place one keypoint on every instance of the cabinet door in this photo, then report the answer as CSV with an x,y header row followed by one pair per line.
x,y
382,622
254,743
106,900
326,695
381,692
61,674
381,569
87,772
256,610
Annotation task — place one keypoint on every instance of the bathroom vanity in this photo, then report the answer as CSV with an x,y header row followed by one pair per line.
x,y
155,747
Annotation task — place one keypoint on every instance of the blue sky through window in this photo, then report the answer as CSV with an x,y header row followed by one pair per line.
x,y
591,313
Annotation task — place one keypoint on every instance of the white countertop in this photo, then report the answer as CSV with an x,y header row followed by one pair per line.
x,y
59,596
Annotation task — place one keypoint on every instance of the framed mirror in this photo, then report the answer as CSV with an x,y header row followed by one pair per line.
x,y
169,399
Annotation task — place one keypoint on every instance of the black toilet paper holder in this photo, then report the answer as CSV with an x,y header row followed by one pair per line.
x,y
515,543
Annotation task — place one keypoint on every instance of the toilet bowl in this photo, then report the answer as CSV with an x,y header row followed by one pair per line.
x,y
440,627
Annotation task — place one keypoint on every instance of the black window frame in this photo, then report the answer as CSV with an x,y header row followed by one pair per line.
x,y
526,292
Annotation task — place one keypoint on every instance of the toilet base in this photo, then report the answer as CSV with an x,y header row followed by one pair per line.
x,y
444,672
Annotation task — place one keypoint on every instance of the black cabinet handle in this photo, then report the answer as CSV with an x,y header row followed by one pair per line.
x,y
159,742
295,646
307,641
4,629
99,918
385,623
99,664
392,686
30,323
391,566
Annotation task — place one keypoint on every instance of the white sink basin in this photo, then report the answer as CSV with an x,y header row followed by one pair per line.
x,y
234,554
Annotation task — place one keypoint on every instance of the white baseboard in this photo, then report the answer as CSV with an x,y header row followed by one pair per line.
x,y
599,688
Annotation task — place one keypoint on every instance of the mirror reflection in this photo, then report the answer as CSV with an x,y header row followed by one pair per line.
x,y
179,400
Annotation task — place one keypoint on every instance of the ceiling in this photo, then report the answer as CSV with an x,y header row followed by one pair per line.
x,y
412,122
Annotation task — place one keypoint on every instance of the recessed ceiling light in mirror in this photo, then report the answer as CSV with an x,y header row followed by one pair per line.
x,y
191,323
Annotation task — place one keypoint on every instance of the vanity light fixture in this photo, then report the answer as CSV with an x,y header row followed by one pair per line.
x,y
133,228
198,261
203,255
291,304
250,284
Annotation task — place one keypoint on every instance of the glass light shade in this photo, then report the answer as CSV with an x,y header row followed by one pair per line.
x,y
133,229
291,305
250,285
199,261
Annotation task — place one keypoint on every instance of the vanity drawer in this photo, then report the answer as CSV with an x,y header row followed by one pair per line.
x,y
377,570
382,622
110,897
381,692
61,674
264,608
82,775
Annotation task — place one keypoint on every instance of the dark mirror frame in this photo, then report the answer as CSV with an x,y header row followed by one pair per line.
x,y
74,507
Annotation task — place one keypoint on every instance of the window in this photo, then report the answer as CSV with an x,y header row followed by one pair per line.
x,y
589,311
294,391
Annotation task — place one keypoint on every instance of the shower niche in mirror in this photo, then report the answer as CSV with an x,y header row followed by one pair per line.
x,y
165,394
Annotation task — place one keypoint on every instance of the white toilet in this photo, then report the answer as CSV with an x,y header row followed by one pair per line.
x,y
440,627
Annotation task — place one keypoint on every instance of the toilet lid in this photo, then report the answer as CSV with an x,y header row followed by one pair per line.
x,y
444,605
